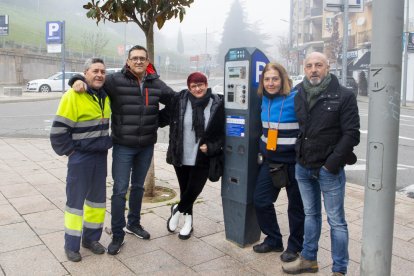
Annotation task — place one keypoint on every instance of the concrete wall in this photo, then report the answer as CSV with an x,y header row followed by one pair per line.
x,y
19,67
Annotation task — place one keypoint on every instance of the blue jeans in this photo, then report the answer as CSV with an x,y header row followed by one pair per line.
x,y
128,163
311,183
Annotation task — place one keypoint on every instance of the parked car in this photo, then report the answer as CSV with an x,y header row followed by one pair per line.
x,y
297,79
112,70
350,84
52,83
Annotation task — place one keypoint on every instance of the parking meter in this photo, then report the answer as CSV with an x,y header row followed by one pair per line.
x,y
243,67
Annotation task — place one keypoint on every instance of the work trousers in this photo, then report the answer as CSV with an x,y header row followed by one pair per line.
x,y
86,195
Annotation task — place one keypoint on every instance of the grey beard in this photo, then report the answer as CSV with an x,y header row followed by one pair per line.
x,y
315,81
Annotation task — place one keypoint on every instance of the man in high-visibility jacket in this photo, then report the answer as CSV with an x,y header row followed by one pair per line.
x,y
80,130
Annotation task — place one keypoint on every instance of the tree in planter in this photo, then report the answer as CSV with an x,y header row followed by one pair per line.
x,y
144,13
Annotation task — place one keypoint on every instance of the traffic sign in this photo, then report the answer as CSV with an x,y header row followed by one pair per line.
x,y
54,32
337,5
4,24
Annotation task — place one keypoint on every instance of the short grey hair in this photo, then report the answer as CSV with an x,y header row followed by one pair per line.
x,y
91,61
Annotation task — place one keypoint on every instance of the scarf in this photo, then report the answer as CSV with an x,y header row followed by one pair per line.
x,y
313,91
268,95
198,105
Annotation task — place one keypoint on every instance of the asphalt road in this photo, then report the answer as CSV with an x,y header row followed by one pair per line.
x,y
33,119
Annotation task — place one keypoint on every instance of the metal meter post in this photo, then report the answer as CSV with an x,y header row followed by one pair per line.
x,y
243,67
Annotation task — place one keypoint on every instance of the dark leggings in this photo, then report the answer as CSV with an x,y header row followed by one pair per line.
x,y
191,180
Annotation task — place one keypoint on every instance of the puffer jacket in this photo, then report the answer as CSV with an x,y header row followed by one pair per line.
x,y
134,120
328,131
213,135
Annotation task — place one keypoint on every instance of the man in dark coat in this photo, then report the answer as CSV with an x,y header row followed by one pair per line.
x,y
328,120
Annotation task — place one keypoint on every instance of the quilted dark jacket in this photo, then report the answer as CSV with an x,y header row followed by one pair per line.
x,y
328,131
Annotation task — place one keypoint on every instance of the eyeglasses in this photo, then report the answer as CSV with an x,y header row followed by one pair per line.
x,y
140,59
197,85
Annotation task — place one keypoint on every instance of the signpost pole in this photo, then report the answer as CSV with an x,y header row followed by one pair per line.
x,y
345,42
382,142
63,56
404,82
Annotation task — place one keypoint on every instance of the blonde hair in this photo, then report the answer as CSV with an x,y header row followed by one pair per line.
x,y
286,82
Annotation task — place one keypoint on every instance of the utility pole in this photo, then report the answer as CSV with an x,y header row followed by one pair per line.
x,y
383,131
345,6
63,56
404,82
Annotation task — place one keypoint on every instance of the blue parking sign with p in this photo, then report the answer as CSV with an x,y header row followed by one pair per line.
x,y
54,32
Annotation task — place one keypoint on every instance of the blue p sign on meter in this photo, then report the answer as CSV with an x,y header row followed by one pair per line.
x,y
54,31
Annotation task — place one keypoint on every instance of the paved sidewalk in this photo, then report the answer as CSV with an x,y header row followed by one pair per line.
x,y
32,200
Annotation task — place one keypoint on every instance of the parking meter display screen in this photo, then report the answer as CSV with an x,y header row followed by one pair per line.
x,y
238,72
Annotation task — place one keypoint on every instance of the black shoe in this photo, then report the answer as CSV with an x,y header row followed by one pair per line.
x,y
138,231
115,246
288,256
265,248
73,256
94,246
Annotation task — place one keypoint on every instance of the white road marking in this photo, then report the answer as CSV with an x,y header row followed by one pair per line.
x,y
364,131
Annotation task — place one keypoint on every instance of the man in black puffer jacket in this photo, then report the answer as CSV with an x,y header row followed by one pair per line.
x,y
329,125
135,94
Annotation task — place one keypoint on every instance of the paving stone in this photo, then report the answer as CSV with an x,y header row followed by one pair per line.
x,y
3,200
157,263
36,260
29,169
46,221
210,210
51,191
405,233
134,246
31,204
98,265
16,236
204,226
267,264
42,179
18,190
219,242
401,266
155,225
55,242
52,164
9,215
10,178
59,173
401,249
189,251
224,266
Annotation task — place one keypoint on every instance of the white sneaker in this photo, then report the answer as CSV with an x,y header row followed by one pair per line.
x,y
172,222
185,232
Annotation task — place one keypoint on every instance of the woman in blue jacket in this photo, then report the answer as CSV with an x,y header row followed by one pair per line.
x,y
277,153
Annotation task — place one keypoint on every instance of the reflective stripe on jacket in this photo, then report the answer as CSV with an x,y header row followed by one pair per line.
x,y
81,123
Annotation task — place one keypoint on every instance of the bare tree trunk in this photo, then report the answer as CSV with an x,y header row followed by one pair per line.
x,y
150,181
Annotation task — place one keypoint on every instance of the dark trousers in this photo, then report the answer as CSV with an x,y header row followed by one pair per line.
x,y
191,180
265,195
128,164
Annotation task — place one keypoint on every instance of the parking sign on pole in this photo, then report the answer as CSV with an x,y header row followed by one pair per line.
x,y
4,24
